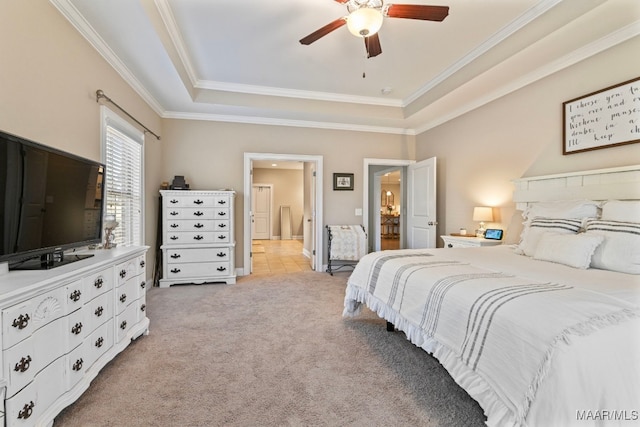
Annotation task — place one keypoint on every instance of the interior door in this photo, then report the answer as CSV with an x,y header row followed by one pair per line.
x,y
421,204
312,200
261,204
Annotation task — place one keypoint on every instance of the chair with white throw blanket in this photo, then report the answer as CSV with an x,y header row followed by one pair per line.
x,y
347,244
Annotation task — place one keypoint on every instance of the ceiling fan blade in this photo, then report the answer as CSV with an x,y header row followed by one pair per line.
x,y
323,31
416,11
372,43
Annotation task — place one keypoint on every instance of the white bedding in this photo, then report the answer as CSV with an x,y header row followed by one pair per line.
x,y
567,356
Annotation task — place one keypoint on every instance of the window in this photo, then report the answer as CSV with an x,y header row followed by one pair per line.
x,y
122,146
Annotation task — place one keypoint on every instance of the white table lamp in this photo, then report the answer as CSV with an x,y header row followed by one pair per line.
x,y
482,214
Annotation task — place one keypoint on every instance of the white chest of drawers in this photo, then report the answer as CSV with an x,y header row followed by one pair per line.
x,y
60,327
198,237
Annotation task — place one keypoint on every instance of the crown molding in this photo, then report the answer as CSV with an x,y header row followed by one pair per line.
x,y
610,40
286,122
504,33
71,13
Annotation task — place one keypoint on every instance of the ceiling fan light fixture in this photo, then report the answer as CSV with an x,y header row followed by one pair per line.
x,y
364,22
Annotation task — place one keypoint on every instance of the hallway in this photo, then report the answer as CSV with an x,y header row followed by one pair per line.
x,y
278,256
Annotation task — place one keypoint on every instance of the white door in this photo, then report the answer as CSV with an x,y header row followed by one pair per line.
x,y
421,204
312,191
261,204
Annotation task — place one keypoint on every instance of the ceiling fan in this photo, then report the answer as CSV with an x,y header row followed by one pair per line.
x,y
365,19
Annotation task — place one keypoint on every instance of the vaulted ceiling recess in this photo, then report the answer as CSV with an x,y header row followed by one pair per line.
x,y
365,17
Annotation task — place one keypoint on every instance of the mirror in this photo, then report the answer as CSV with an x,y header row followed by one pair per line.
x,y
285,223
387,198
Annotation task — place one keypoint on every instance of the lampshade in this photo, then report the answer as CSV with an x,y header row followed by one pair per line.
x,y
482,214
364,22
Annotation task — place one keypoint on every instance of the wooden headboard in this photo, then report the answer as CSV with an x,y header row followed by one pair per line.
x,y
621,183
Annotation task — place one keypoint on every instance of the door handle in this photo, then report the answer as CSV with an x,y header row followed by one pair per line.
x,y
432,223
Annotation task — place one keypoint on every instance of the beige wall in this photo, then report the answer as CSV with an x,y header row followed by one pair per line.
x,y
211,155
48,78
288,190
520,135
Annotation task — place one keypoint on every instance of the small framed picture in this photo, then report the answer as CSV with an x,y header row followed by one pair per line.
x,y
343,181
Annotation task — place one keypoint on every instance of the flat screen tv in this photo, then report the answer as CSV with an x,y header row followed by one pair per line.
x,y
50,202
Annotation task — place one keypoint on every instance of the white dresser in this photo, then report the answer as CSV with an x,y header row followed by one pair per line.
x,y
198,237
60,327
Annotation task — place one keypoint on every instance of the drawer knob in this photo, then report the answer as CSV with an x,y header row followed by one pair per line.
x,y
27,411
23,364
174,237
174,226
142,263
143,307
222,202
174,201
77,328
198,237
98,282
450,245
221,268
175,256
78,365
222,236
173,213
21,322
123,325
198,202
75,295
123,297
99,342
222,213
223,225
99,311
143,284
123,273
198,225
175,270
198,213
221,254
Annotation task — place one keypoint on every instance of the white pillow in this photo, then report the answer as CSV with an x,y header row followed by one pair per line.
x,y
538,226
621,210
620,250
514,230
563,209
574,250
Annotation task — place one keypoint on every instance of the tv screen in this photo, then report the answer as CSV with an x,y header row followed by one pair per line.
x,y
50,201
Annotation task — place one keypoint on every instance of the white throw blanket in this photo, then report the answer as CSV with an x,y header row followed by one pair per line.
x,y
348,242
495,333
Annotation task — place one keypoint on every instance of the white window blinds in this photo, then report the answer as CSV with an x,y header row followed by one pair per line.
x,y
122,150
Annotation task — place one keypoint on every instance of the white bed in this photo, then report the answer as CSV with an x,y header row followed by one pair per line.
x,y
535,342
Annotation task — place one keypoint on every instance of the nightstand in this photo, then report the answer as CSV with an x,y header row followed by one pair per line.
x,y
467,242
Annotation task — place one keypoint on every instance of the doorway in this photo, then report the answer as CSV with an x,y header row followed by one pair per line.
x,y
312,221
417,225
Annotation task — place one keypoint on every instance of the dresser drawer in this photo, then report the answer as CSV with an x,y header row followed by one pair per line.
x,y
195,237
195,225
21,320
128,293
126,270
98,343
180,256
75,296
74,366
204,269
172,214
189,200
98,283
98,310
24,360
26,407
125,320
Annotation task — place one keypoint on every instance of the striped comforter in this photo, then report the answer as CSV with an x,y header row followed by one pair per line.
x,y
497,333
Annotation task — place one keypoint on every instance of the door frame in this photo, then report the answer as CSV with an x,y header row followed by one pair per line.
x,y
369,182
377,194
317,214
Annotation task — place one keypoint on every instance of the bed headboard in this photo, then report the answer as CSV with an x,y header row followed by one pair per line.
x,y
622,183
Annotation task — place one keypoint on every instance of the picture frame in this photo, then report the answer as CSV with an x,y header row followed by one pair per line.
x,y
602,119
343,181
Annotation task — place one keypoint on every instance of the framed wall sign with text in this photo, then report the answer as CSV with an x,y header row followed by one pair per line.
x,y
601,119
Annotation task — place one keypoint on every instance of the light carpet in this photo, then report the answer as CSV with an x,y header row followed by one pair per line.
x,y
271,350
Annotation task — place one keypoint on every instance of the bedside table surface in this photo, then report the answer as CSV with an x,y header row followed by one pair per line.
x,y
467,242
